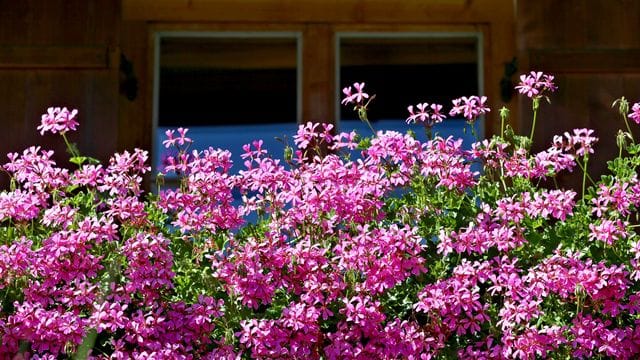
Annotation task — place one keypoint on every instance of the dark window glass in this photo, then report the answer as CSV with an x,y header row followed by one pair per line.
x,y
227,81
407,71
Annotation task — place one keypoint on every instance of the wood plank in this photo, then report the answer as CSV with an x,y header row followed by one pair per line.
x,y
500,48
59,22
585,60
134,117
224,53
54,57
349,11
318,75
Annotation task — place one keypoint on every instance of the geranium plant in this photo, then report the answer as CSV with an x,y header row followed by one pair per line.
x,y
384,247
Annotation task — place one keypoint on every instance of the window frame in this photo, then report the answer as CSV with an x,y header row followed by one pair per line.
x,y
399,34
157,37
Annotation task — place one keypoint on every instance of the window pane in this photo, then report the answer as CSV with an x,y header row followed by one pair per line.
x,y
228,90
227,81
408,71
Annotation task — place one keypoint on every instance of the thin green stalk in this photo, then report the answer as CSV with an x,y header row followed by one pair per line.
x,y
363,117
428,133
473,131
626,122
623,109
362,113
504,114
584,174
584,171
504,185
72,150
535,105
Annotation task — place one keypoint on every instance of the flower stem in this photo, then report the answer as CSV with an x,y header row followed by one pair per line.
x,y
428,133
584,174
536,104
70,148
626,122
362,114
473,131
504,114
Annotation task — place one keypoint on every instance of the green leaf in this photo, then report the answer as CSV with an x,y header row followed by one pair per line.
x,y
87,344
80,160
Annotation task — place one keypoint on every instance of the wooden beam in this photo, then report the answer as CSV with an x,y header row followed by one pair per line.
x,y
585,61
228,53
56,57
318,75
313,11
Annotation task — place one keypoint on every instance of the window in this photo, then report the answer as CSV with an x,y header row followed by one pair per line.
x,y
228,88
405,69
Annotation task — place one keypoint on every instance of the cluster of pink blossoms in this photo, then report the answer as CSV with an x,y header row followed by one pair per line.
x,y
536,84
405,251
58,120
426,115
471,108
635,112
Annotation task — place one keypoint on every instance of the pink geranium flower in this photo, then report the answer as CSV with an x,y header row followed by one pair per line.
x,y
536,84
470,108
635,113
58,120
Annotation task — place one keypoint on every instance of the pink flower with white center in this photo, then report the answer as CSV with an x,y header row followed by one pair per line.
x,y
58,120
528,84
470,107
171,141
254,153
183,139
421,115
579,143
21,205
536,84
635,113
344,140
354,98
425,116
88,175
180,140
436,115
608,231
306,134
348,92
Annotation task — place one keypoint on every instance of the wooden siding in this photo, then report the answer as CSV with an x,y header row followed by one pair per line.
x,y
67,53
593,48
59,53
318,11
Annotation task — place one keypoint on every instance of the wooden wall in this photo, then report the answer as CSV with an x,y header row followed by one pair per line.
x,y
59,53
320,20
593,48
67,53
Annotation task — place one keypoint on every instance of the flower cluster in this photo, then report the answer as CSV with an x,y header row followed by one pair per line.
x,y
356,98
426,115
471,108
385,247
536,84
58,120
635,113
